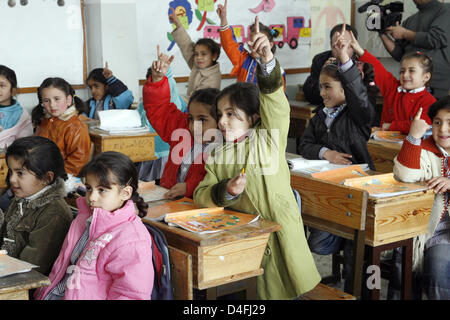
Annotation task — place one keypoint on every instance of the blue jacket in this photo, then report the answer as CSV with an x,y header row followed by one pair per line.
x,y
118,97
161,147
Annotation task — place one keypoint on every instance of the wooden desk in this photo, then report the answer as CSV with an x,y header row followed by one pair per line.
x,y
138,147
3,170
16,286
216,258
383,154
387,220
301,113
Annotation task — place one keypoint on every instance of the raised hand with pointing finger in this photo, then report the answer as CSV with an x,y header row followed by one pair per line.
x,y
160,66
106,72
222,13
418,126
260,45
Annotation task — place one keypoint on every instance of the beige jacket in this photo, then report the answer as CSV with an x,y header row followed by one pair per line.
x,y
199,78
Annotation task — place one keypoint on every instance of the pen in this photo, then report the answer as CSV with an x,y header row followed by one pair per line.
x,y
243,170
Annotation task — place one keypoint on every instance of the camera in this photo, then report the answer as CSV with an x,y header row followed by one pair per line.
x,y
380,17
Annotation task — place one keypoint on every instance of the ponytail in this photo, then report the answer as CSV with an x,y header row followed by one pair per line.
x,y
141,205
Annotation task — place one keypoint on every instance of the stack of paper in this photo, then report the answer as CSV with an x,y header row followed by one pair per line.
x,y
389,136
10,265
120,121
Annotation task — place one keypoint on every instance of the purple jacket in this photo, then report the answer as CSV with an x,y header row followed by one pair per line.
x,y
115,264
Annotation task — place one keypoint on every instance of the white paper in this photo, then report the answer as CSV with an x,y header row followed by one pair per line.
x,y
119,119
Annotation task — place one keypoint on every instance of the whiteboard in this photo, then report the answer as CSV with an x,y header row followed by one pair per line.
x,y
42,40
153,26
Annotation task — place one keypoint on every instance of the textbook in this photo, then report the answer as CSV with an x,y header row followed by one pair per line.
x,y
389,136
339,175
120,121
297,162
151,192
184,214
10,265
384,185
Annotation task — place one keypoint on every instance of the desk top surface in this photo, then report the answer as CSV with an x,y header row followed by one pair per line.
x,y
102,135
23,281
301,104
387,145
253,229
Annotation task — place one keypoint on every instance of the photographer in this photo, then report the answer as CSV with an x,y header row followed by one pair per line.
x,y
426,31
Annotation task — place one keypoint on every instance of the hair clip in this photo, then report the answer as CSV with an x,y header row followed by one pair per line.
x,y
272,32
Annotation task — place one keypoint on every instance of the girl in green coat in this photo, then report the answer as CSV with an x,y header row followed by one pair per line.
x,y
255,127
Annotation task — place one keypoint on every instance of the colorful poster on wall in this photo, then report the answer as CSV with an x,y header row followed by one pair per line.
x,y
325,14
290,17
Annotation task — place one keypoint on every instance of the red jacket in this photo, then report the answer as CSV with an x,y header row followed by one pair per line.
x,y
165,118
399,108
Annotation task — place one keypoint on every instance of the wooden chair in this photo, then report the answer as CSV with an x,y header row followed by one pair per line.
x,y
330,207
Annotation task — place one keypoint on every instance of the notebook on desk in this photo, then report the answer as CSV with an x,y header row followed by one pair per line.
x,y
10,265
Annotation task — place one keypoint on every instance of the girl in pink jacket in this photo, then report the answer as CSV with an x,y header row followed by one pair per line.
x,y
107,253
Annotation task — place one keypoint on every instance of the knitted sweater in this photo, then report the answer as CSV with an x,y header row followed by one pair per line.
x,y
420,163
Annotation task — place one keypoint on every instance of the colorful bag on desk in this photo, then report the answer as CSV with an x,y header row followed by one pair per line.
x,y
162,285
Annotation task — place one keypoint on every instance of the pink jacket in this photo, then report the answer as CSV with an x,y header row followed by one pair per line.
x,y
116,263
23,128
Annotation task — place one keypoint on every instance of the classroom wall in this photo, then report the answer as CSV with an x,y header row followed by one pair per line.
x,y
111,36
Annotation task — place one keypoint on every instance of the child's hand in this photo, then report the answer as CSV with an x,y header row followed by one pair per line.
x,y
237,185
341,45
174,19
260,44
106,72
178,190
418,126
222,13
386,126
355,45
439,184
337,157
160,66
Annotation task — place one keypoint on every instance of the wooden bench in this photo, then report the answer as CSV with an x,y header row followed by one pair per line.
x,y
324,292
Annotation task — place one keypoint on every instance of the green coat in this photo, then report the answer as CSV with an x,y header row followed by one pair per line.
x,y
289,268
37,227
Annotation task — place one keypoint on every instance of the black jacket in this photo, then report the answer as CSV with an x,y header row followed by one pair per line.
x,y
350,130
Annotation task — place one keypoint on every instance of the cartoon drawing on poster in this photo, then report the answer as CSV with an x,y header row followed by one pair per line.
x,y
325,14
291,18
266,5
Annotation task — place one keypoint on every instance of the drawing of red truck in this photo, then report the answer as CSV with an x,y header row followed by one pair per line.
x,y
295,29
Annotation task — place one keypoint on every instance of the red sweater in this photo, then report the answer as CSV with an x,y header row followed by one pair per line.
x,y
399,108
165,118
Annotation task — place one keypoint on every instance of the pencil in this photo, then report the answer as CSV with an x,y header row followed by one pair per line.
x,y
243,170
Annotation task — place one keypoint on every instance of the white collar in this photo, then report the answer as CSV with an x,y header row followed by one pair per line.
x,y
442,150
400,89
37,194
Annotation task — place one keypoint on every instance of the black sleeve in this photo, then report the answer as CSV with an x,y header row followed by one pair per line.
x,y
116,87
308,146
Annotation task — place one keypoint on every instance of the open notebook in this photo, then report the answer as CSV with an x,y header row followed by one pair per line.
x,y
384,185
184,214
10,265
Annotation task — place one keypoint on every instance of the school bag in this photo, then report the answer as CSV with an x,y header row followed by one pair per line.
x,y
162,285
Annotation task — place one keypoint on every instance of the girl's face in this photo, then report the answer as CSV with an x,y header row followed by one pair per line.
x,y
441,129
203,57
412,75
6,92
200,120
55,101
233,122
98,89
107,198
331,91
24,182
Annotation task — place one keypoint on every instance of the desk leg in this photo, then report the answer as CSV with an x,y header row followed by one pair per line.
x,y
375,260
358,262
407,249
